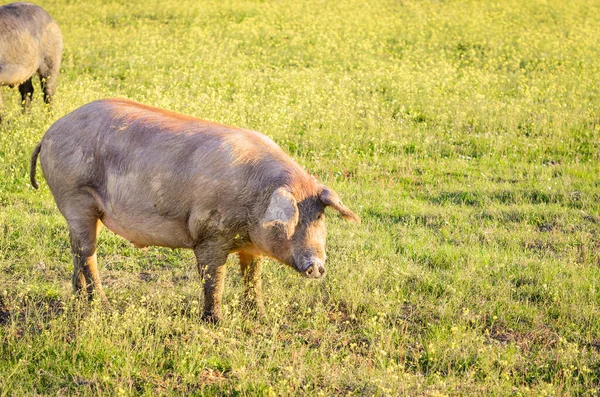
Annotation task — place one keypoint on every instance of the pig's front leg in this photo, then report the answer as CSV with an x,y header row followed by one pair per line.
x,y
250,266
211,257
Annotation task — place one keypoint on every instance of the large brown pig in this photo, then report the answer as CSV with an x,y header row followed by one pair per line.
x,y
162,178
30,43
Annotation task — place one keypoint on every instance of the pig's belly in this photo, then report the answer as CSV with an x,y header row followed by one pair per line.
x,y
13,74
145,230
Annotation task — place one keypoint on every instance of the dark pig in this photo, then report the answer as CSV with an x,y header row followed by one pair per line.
x,y
160,178
30,43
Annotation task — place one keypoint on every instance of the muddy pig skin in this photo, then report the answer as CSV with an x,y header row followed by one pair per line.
x,y
30,43
160,178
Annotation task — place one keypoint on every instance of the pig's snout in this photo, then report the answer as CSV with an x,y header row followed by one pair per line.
x,y
314,269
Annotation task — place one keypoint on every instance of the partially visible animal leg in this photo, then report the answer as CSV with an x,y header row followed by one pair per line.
x,y
84,225
26,90
211,257
250,267
50,66
48,84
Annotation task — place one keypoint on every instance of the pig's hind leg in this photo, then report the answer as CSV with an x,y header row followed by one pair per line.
x,y
48,83
50,66
250,267
84,225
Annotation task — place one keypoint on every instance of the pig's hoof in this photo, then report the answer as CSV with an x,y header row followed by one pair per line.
x,y
254,314
252,308
104,301
258,312
99,299
211,318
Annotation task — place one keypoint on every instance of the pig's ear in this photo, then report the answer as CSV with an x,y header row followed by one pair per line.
x,y
282,211
330,198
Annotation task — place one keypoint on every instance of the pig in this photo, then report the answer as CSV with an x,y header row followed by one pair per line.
x,y
30,43
161,178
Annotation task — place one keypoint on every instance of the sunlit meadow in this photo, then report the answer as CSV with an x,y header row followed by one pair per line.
x,y
466,134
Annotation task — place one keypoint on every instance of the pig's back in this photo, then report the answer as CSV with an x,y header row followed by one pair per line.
x,y
120,136
24,16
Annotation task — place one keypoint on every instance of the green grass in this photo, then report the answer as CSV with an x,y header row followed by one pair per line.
x,y
465,133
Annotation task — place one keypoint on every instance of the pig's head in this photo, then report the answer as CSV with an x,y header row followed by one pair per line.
x,y
294,231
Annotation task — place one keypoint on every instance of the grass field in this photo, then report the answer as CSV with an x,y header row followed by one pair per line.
x,y
466,134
